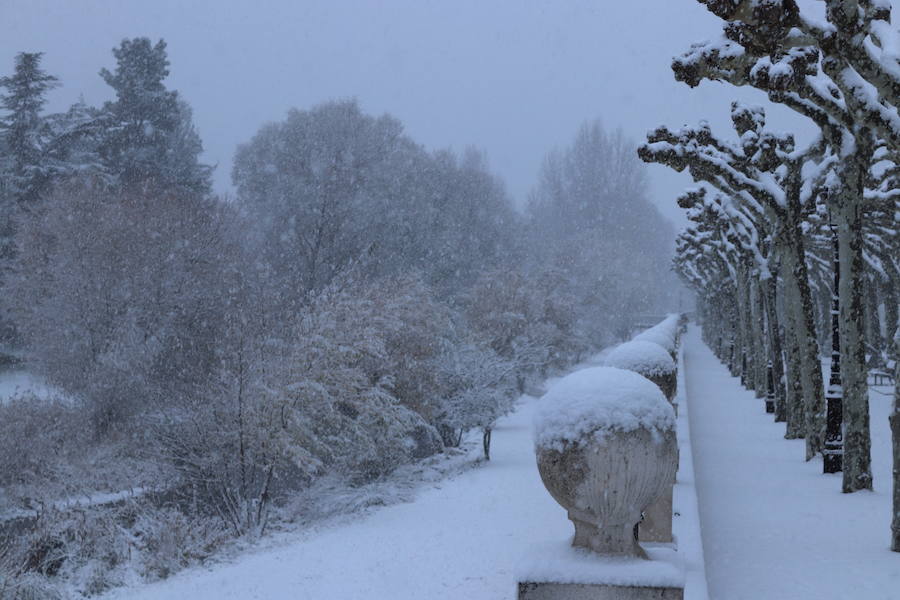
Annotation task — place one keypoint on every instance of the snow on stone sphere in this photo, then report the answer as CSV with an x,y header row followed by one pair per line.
x,y
643,357
658,337
664,333
598,400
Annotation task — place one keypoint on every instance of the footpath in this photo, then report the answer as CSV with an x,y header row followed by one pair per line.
x,y
773,526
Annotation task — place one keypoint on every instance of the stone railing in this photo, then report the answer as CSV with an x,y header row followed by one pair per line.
x,y
605,440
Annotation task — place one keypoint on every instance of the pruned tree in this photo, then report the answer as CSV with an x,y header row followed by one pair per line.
x,y
769,189
834,75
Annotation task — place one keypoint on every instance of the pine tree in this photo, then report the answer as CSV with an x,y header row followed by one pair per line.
x,y
25,170
23,130
149,140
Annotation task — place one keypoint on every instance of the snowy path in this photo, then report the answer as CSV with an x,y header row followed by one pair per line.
x,y
460,539
774,527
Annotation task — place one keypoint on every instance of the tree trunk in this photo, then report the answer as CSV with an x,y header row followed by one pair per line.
x,y
486,443
822,306
810,365
891,310
758,326
731,351
895,444
746,337
833,454
874,342
857,440
794,425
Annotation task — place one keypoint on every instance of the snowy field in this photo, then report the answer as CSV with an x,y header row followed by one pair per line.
x,y
774,527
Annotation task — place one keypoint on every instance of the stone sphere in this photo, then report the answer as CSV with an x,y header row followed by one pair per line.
x,y
662,338
606,450
650,360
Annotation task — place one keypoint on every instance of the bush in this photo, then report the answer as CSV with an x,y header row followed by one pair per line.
x,y
40,440
93,550
170,540
86,547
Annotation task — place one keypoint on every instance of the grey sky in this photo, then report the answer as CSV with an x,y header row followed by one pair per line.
x,y
514,78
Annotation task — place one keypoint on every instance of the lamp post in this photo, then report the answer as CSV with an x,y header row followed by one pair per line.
x,y
744,378
731,355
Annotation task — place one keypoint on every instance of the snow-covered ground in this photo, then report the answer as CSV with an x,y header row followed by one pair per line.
x,y
461,538
774,526
16,381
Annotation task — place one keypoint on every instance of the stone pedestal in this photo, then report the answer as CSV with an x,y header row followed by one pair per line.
x,y
667,382
606,451
596,591
556,571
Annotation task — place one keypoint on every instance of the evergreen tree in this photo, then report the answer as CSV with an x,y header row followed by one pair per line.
x,y
23,131
149,139
75,137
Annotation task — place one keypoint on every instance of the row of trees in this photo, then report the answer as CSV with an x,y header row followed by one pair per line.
x,y
359,304
793,248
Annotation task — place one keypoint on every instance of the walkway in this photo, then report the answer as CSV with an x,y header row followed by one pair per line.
x,y
773,526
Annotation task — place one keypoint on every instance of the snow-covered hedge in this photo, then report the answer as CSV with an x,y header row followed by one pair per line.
x,y
597,400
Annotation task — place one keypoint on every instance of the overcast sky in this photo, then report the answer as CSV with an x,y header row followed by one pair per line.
x,y
514,78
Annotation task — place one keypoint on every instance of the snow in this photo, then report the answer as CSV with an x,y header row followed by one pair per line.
x,y
657,337
641,356
774,526
559,562
460,538
597,400
18,382
664,333
685,506
468,537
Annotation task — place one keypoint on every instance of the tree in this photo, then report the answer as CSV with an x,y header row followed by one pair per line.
x,y
592,226
312,183
472,225
119,296
23,129
148,137
479,386
813,70
331,186
767,196
895,443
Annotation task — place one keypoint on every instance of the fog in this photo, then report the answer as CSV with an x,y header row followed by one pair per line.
x,y
513,78
275,266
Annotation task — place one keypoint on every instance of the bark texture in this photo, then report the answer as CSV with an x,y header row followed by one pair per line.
x,y
857,441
